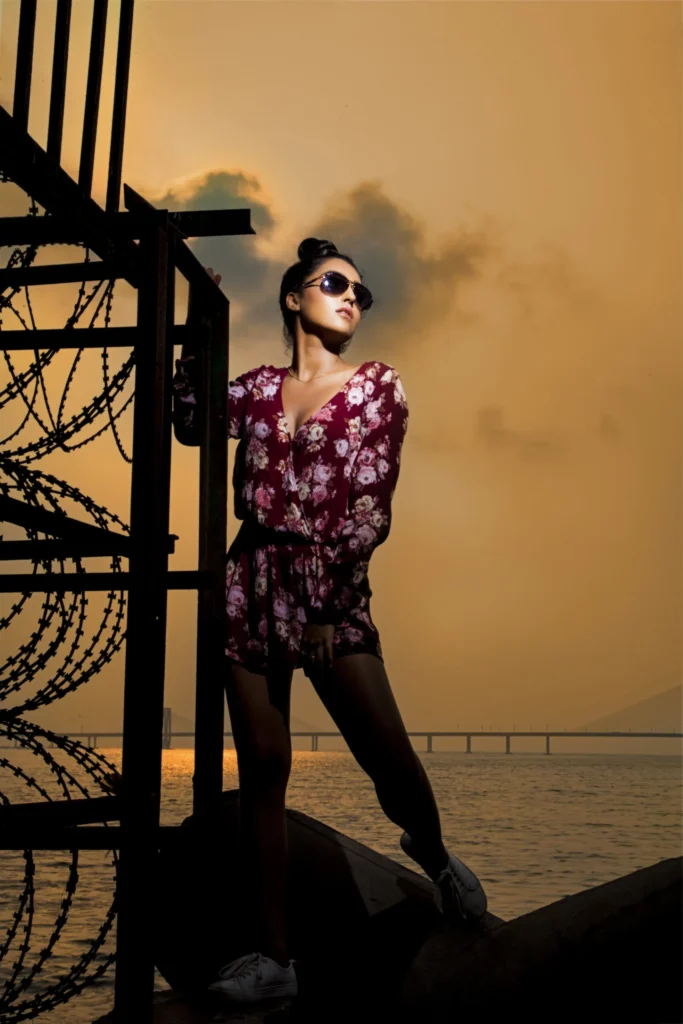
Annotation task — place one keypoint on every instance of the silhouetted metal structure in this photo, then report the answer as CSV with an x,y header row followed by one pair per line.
x,y
144,246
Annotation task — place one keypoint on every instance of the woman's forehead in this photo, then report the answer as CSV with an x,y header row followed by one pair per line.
x,y
341,265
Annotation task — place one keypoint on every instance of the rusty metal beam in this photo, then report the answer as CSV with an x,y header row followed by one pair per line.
x,y
213,504
145,654
94,337
26,163
63,273
60,62
62,813
92,95
20,513
58,228
202,223
24,69
208,294
94,837
82,582
30,550
33,550
118,121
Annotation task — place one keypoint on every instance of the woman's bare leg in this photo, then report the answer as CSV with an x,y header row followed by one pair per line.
x,y
259,713
358,696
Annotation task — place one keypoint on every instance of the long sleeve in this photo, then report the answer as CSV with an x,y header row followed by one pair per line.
x,y
185,387
186,392
374,476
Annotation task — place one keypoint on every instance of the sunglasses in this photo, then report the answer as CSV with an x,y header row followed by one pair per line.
x,y
334,283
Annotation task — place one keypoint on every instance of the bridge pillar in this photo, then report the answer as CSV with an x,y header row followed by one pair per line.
x,y
429,743
166,728
547,744
468,748
314,741
507,744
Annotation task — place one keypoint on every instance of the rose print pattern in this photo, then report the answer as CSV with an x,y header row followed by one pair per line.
x,y
314,507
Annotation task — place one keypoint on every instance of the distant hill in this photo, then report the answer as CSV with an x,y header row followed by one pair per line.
x,y
661,713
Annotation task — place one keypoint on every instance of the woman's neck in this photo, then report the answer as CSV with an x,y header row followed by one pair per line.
x,y
308,363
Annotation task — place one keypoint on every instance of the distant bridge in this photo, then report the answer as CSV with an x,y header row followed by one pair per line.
x,y
507,734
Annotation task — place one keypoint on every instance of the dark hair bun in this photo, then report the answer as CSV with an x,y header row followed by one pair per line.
x,y
313,248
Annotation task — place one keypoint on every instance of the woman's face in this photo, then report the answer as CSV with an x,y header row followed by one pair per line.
x,y
319,310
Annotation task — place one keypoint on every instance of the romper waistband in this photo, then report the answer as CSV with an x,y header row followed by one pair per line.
x,y
255,535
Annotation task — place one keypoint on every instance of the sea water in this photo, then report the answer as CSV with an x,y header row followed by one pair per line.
x,y
534,828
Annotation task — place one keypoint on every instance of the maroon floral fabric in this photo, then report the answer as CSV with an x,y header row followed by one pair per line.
x,y
314,507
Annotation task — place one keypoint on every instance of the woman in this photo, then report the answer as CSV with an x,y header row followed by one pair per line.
x,y
315,470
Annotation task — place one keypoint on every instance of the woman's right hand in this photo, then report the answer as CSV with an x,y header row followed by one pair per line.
x,y
214,277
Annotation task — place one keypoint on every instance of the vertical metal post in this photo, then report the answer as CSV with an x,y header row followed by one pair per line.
x,y
547,743
60,61
468,749
92,95
213,518
507,744
24,70
146,630
429,743
118,119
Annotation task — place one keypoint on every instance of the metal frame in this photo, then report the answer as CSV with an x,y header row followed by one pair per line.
x,y
149,265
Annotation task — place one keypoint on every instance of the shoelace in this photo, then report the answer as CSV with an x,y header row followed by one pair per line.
x,y
450,873
242,967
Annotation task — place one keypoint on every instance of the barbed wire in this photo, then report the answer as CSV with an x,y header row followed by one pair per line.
x,y
56,432
59,611
105,776
58,643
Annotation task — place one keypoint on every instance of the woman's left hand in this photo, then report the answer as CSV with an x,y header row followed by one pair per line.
x,y
316,646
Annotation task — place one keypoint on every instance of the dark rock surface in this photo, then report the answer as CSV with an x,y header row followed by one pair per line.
x,y
611,953
356,918
370,945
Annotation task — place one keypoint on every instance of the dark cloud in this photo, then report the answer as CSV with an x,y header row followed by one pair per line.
x,y
386,242
411,285
245,273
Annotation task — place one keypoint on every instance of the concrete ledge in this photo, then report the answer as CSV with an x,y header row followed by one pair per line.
x,y
608,953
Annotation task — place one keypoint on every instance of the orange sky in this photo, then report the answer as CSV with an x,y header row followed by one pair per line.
x,y
508,176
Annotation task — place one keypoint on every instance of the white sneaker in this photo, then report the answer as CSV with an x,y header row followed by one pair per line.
x,y
458,890
254,977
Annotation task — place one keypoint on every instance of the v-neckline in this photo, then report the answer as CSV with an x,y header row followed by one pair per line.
x,y
323,406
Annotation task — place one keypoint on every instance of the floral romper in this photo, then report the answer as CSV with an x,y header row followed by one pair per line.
x,y
313,509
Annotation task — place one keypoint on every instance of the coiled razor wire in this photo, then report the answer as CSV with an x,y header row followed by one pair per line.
x,y
59,612
19,975
56,432
58,642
